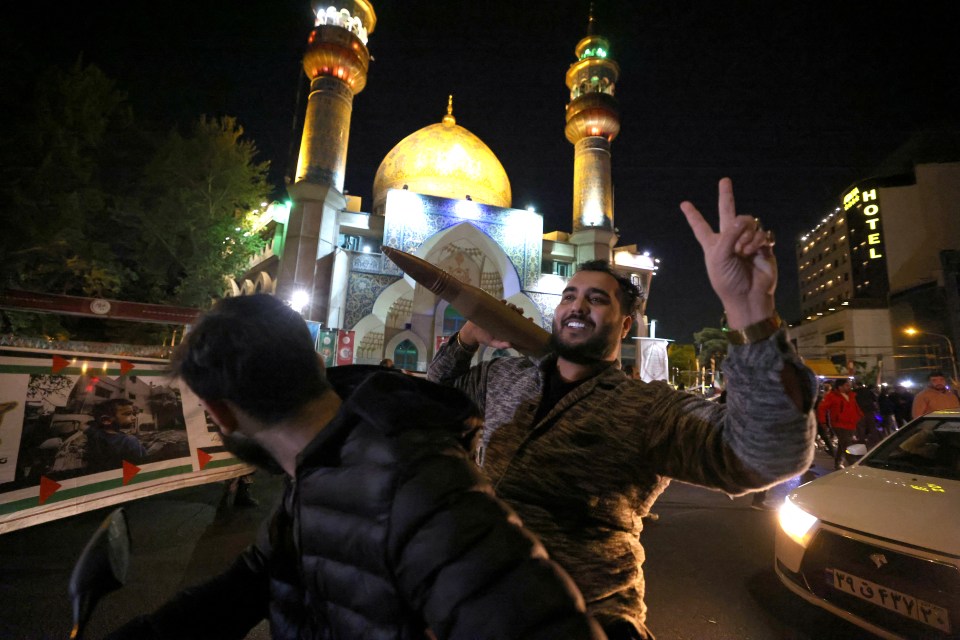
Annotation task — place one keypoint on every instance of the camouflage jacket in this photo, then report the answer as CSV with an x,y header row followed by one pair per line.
x,y
583,476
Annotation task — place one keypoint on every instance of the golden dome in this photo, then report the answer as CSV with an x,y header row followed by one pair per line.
x,y
445,160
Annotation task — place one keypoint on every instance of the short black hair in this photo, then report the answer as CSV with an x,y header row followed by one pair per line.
x,y
108,408
254,351
936,374
628,294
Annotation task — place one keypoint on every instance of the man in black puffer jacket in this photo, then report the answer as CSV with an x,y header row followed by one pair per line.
x,y
386,529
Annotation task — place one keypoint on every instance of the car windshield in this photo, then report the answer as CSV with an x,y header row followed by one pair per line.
x,y
928,446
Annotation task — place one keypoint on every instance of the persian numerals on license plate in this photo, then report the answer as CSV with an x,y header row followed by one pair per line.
x,y
906,605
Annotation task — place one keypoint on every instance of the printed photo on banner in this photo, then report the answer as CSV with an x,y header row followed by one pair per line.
x,y
72,425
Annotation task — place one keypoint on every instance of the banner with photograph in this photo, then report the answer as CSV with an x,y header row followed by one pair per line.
x,y
81,431
345,347
654,364
327,347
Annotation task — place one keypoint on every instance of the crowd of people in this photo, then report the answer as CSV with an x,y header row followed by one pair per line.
x,y
849,412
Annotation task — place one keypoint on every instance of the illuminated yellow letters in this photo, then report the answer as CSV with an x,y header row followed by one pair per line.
x,y
872,213
851,199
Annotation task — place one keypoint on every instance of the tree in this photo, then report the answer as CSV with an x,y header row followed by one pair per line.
x,y
194,213
712,345
57,165
683,360
98,206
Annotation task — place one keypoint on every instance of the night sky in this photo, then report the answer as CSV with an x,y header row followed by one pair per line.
x,y
793,100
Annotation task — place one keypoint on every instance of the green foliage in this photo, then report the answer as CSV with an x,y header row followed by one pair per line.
x,y
194,214
57,192
683,363
713,344
683,356
95,206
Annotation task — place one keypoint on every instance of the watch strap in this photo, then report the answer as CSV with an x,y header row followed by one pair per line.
x,y
755,332
460,344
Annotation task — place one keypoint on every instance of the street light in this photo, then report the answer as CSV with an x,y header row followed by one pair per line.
x,y
910,331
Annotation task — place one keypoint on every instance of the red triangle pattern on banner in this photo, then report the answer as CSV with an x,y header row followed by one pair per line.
x,y
204,458
126,367
59,364
48,487
129,471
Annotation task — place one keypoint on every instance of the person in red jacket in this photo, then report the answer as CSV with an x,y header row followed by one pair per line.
x,y
841,412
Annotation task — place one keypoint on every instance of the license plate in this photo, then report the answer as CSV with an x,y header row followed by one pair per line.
x,y
906,605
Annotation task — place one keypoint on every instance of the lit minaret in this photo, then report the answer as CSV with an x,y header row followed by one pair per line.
x,y
336,62
593,121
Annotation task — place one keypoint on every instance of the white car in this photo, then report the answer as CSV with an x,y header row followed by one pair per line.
x,y
878,543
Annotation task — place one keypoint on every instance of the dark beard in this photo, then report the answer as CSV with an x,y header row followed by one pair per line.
x,y
591,351
250,451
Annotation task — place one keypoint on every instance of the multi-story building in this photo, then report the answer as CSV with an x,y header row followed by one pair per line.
x,y
882,261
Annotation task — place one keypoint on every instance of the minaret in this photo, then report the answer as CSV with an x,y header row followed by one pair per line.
x,y
336,62
593,121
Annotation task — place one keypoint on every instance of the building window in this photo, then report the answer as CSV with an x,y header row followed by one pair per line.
x,y
350,242
405,356
830,338
561,269
452,321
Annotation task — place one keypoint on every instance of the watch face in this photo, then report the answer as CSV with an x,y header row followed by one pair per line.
x,y
100,306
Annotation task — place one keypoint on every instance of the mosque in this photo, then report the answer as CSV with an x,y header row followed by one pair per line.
x,y
442,195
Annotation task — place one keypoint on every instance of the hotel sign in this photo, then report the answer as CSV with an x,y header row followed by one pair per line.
x,y
869,205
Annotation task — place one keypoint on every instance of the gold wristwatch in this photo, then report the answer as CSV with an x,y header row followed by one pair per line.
x,y
755,332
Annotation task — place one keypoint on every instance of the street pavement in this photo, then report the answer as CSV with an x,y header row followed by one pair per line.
x,y
179,539
709,570
709,565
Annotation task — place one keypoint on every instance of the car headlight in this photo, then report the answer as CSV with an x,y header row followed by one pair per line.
x,y
796,522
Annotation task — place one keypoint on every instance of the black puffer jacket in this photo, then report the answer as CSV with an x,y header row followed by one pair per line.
x,y
388,530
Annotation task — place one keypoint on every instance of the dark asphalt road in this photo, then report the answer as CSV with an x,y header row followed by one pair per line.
x,y
709,574
710,571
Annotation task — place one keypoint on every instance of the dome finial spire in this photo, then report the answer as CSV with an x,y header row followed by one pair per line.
x,y
449,119
590,21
